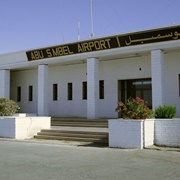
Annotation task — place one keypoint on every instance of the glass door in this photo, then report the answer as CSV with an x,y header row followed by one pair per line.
x,y
135,88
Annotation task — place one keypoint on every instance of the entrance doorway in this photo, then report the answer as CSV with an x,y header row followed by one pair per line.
x,y
135,88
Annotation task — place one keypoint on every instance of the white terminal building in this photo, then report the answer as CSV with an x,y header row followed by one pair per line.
x,y
87,78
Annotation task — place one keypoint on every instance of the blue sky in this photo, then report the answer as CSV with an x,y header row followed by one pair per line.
x,y
29,24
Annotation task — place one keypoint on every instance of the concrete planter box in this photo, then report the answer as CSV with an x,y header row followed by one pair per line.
x,y
131,133
167,132
21,126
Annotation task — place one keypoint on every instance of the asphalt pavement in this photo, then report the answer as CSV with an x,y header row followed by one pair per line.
x,y
55,160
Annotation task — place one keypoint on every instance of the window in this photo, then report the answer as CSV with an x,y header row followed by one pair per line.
x,y
70,91
101,89
55,92
84,90
136,88
30,93
18,93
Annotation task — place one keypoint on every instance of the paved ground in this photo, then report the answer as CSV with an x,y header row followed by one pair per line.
x,y
48,160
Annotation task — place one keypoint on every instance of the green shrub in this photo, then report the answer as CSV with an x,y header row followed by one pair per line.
x,y
165,111
8,107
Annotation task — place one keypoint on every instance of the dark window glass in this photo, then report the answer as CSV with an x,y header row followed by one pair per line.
x,y
55,92
70,91
30,93
84,90
18,93
101,89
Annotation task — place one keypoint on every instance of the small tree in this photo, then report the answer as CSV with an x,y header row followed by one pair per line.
x,y
8,107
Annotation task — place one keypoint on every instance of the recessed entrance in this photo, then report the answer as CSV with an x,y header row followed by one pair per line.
x,y
135,88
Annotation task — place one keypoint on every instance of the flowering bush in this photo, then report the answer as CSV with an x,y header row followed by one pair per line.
x,y
134,109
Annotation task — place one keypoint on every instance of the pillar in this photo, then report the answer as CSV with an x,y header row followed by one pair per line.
x,y
5,84
92,87
43,95
157,73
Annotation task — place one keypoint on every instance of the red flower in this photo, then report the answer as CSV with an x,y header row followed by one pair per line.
x,y
140,100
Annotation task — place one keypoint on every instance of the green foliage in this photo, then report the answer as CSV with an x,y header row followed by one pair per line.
x,y
165,111
8,107
134,109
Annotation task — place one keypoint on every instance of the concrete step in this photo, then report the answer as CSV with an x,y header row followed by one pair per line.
x,y
92,140
81,136
76,122
73,133
79,124
75,129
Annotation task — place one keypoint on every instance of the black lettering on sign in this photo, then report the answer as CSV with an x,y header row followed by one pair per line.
x,y
143,37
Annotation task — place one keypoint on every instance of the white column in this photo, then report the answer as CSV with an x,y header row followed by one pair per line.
x,y
157,72
92,87
5,84
43,95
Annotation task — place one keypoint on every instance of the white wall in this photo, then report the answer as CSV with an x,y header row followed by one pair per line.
x,y
25,78
110,71
12,58
62,75
167,132
172,71
126,133
22,127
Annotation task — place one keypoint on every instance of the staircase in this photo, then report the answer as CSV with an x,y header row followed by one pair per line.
x,y
77,122
94,132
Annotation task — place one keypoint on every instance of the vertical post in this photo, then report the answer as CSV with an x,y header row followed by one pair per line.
x,y
5,84
43,96
79,37
157,72
91,15
92,87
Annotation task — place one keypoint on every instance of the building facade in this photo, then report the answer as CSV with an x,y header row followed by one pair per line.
x,y
87,78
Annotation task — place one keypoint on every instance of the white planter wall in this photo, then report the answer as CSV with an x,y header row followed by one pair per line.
x,y
148,132
167,132
22,127
131,133
144,133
